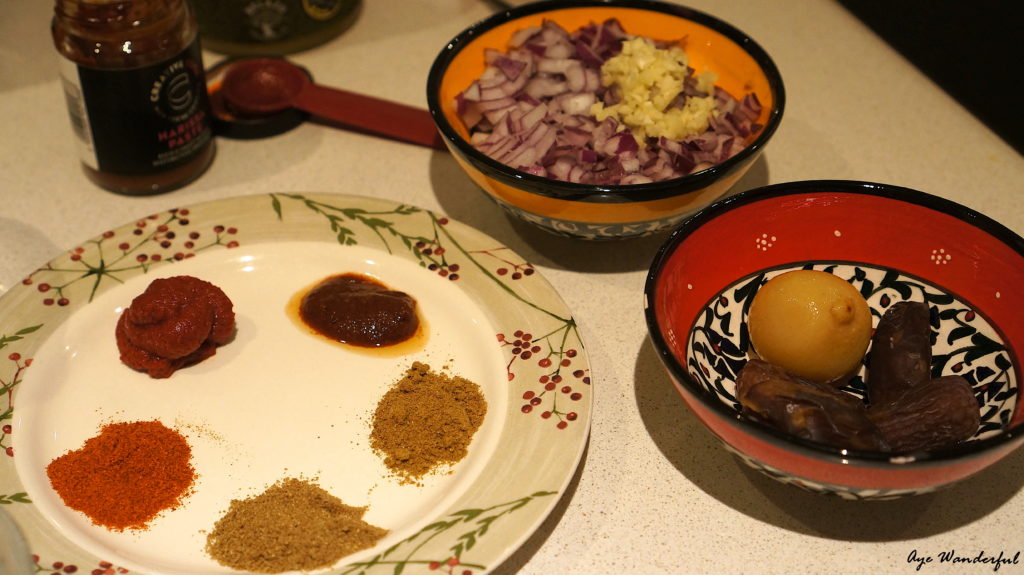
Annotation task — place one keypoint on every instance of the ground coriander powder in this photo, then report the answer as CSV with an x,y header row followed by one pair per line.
x,y
294,525
426,420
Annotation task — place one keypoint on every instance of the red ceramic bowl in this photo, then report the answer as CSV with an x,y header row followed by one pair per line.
x,y
893,244
620,211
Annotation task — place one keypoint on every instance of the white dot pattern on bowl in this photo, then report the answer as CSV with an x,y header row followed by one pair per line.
x,y
939,256
764,242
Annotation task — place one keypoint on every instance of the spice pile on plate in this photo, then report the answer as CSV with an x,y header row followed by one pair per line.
x,y
426,420
294,525
125,476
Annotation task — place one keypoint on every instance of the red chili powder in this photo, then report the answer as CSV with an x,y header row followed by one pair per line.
x,y
126,475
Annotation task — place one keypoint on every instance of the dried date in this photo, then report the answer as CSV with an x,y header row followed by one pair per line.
x,y
940,413
901,352
805,408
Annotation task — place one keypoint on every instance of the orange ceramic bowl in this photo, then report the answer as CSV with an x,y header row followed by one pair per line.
x,y
618,211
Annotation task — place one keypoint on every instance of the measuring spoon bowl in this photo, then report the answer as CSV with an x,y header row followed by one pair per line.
x,y
264,86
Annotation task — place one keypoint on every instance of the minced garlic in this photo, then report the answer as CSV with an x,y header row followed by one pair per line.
x,y
649,79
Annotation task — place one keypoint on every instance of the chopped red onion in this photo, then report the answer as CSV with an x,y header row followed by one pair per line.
x,y
530,109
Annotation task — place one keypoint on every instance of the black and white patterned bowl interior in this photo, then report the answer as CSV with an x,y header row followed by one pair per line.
x,y
964,342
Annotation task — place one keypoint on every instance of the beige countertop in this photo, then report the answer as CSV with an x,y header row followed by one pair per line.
x,y
655,492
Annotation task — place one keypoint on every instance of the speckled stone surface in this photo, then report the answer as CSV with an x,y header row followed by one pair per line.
x,y
655,492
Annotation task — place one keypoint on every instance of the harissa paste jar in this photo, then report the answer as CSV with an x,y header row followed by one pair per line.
x,y
136,92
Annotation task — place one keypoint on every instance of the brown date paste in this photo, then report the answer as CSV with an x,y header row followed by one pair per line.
x,y
355,309
177,322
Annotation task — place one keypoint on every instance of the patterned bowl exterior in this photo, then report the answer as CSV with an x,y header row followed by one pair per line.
x,y
606,212
892,244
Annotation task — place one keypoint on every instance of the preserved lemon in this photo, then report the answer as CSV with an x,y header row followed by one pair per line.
x,y
811,323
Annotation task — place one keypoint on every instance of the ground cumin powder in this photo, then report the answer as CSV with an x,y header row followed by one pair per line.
x,y
426,420
293,525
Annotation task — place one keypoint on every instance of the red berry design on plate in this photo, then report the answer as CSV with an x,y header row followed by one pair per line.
x,y
434,255
8,381
158,238
553,354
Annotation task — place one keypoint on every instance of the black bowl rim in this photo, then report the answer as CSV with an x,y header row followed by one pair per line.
x,y
778,437
605,194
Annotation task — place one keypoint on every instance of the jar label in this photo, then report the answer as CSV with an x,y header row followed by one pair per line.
x,y
270,26
267,20
140,120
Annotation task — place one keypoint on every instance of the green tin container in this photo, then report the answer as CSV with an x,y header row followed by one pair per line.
x,y
271,27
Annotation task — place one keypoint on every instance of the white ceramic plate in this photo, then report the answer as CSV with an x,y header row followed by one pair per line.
x,y
280,402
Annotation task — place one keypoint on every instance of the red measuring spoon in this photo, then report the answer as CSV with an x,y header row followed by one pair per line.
x,y
267,86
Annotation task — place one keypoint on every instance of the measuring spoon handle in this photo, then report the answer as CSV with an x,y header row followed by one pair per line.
x,y
381,117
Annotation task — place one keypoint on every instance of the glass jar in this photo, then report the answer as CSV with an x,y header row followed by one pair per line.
x,y
135,88
271,27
